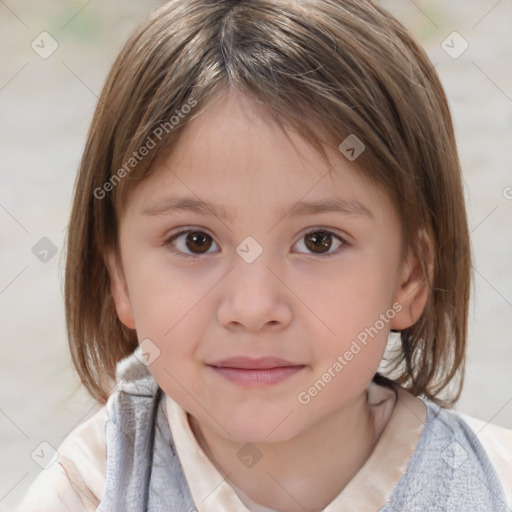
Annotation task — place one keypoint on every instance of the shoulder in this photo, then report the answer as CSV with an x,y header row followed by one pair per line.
x,y
450,469
83,456
75,481
497,443
474,451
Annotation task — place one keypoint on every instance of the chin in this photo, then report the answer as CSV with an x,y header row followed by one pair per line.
x,y
258,431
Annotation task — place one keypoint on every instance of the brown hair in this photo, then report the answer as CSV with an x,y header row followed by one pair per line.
x,y
324,68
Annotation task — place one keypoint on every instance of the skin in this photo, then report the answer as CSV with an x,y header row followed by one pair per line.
x,y
291,302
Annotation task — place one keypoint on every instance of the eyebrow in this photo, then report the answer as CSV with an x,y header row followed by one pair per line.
x,y
169,205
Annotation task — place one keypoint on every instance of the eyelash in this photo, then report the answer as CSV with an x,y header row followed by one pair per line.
x,y
168,242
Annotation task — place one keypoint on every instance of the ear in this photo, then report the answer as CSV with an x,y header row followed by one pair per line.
x,y
119,290
412,290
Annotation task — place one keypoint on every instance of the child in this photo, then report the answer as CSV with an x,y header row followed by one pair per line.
x,y
268,190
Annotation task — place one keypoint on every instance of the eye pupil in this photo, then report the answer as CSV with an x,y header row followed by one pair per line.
x,y
196,242
320,240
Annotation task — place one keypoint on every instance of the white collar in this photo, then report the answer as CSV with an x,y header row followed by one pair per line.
x,y
211,492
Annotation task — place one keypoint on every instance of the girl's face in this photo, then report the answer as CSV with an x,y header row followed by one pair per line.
x,y
268,275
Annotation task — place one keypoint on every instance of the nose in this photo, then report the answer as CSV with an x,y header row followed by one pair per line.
x,y
254,297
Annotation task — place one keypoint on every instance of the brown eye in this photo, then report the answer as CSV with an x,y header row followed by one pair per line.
x,y
320,242
198,242
190,244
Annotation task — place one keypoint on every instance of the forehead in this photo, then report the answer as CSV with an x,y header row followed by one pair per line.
x,y
234,156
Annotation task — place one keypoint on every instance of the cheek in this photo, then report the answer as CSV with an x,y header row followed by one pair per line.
x,y
348,299
354,307
164,296
173,313
345,362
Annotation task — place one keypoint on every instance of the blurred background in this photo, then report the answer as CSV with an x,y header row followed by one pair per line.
x,y
55,58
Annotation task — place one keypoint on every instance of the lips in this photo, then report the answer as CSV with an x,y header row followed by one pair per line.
x,y
247,363
249,372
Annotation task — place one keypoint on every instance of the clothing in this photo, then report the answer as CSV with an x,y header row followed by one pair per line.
x,y
437,465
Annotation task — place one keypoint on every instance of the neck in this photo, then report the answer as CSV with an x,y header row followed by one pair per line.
x,y
303,473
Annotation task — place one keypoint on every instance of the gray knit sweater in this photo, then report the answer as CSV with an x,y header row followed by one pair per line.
x,y
449,471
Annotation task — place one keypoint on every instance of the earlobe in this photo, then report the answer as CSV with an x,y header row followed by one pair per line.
x,y
413,287
119,291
